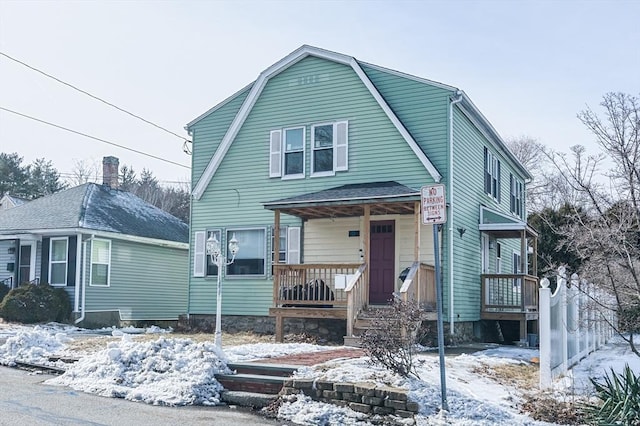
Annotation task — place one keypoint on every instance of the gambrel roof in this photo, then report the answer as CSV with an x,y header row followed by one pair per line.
x,y
94,207
274,70
256,88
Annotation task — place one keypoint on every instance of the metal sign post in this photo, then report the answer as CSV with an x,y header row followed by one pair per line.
x,y
434,211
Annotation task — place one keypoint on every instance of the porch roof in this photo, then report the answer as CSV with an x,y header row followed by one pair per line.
x,y
349,200
502,226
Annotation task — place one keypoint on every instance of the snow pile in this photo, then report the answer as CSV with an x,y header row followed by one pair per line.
x,y
303,410
254,351
472,398
161,372
32,345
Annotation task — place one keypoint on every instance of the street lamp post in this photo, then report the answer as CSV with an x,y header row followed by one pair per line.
x,y
214,250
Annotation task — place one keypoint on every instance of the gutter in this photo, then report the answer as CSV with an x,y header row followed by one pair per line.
x,y
458,96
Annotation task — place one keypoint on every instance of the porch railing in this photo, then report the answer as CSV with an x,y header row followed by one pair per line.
x,y
311,285
509,293
420,285
357,296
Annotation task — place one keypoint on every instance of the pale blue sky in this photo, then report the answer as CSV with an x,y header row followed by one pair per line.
x,y
529,66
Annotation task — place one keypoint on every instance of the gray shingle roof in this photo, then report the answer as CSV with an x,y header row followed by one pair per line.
x,y
372,190
95,207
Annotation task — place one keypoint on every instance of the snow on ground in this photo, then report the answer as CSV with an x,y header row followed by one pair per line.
x,y
178,371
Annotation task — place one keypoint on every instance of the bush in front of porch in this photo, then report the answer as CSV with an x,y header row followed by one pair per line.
x,y
33,303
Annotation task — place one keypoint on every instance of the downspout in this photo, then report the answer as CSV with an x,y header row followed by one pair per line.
x,y
78,269
453,100
84,279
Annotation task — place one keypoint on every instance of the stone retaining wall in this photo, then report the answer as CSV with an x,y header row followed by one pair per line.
x,y
361,397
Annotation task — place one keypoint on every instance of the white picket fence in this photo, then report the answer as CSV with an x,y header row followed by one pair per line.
x,y
574,322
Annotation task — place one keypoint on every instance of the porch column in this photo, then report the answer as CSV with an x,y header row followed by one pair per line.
x,y
276,276
534,261
416,224
523,252
367,238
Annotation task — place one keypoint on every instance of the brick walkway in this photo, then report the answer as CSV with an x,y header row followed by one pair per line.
x,y
313,358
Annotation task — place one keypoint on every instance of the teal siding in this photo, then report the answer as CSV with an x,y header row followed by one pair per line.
x,y
422,108
241,184
209,131
147,282
469,195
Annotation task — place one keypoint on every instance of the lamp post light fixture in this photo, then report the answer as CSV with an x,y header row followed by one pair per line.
x,y
214,250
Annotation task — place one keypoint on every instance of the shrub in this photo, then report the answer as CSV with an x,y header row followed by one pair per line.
x,y
32,303
3,291
620,396
392,341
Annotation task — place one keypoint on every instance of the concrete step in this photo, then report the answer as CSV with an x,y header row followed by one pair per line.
x,y
263,369
248,399
255,383
353,341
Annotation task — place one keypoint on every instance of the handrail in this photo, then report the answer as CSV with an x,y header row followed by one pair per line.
x,y
357,296
408,281
419,284
8,282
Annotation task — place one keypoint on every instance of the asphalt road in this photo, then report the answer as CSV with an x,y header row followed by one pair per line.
x,y
25,400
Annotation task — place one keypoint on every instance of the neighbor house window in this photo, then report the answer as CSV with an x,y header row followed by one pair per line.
x,y
58,248
517,196
294,152
491,175
498,258
251,256
100,262
212,268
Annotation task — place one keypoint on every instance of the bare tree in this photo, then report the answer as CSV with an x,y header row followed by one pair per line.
x,y
83,172
605,232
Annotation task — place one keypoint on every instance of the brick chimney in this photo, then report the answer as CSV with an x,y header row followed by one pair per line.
x,y
110,172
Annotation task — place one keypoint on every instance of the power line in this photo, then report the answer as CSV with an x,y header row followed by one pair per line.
x,y
94,97
91,137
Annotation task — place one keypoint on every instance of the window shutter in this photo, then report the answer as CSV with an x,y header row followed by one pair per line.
x,y
275,153
342,146
293,245
199,260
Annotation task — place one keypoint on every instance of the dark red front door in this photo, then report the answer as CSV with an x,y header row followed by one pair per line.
x,y
381,272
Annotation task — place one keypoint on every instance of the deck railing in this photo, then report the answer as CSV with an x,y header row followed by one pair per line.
x,y
509,293
420,285
357,296
311,285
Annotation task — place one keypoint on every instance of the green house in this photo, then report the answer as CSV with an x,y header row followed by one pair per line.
x,y
120,259
316,169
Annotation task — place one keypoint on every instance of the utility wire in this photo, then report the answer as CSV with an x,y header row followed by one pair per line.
x,y
94,96
91,137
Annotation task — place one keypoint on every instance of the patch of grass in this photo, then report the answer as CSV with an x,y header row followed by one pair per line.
x,y
548,408
521,376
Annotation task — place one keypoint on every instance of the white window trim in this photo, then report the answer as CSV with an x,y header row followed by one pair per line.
x,y
331,172
206,256
276,240
91,263
498,258
493,167
66,260
516,192
284,153
224,252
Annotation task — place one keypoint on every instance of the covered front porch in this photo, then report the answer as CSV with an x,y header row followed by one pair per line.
x,y
511,245
376,230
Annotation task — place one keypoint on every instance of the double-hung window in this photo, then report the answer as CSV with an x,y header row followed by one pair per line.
x,y
517,196
58,248
293,152
491,175
100,263
288,245
329,150
252,252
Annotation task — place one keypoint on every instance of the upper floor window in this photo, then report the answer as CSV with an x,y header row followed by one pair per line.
x,y
329,150
491,175
516,196
293,152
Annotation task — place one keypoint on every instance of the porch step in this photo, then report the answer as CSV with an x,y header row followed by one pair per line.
x,y
353,341
263,369
248,399
256,378
254,383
